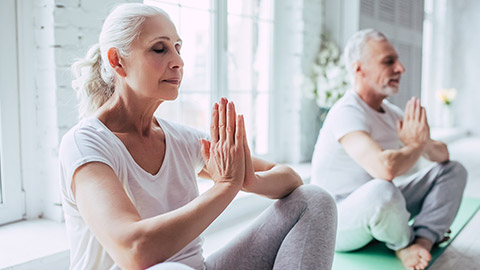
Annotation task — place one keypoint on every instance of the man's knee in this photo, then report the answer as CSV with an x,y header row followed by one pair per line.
x,y
457,173
383,193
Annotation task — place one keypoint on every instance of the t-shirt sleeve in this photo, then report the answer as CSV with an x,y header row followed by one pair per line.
x,y
79,147
348,119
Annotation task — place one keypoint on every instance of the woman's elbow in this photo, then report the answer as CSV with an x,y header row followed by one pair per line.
x,y
140,253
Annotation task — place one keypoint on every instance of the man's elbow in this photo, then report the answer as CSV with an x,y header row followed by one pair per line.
x,y
385,175
389,170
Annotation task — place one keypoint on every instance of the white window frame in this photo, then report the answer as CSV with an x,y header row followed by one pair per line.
x,y
12,207
219,75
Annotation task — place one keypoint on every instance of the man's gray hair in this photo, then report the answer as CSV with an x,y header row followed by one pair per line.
x,y
355,48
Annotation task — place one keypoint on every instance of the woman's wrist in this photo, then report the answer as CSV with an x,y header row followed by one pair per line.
x,y
228,186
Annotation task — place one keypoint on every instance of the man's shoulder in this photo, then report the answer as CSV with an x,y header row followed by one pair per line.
x,y
348,104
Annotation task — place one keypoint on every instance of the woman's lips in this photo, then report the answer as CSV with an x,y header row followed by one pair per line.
x,y
172,81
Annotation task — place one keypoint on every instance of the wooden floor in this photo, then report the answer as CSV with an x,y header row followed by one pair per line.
x,y
464,251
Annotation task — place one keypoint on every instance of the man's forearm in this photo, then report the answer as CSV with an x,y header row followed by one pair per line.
x,y
399,161
436,151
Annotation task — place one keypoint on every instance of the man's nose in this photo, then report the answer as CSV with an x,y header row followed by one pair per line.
x,y
399,67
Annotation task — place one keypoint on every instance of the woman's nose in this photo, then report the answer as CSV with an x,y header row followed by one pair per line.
x,y
177,61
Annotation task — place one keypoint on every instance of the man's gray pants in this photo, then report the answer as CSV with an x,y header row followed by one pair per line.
x,y
382,210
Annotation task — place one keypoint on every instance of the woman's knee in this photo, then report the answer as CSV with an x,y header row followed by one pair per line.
x,y
314,196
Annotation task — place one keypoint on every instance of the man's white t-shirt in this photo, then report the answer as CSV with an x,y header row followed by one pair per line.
x,y
172,187
332,168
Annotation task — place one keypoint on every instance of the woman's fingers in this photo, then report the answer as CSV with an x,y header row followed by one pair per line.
x,y
222,119
205,150
214,124
231,118
245,141
240,131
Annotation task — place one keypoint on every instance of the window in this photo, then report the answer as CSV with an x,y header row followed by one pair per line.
x,y
226,50
11,196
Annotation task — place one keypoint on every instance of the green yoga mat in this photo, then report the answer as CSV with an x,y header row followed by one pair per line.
x,y
376,256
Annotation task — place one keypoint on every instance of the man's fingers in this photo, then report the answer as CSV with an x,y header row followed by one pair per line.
x,y
408,109
231,118
399,125
418,110
423,116
214,124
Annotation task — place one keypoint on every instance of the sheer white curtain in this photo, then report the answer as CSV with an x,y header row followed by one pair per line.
x,y
451,58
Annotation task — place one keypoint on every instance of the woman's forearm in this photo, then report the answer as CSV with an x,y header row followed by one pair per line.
x,y
158,238
276,183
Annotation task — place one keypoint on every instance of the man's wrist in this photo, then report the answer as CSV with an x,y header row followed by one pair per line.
x,y
416,145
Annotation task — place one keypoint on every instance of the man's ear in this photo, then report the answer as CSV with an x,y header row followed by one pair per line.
x,y
114,61
357,68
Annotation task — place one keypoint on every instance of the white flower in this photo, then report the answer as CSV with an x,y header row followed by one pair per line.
x,y
329,79
447,96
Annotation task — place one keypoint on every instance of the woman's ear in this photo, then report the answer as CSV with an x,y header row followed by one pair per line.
x,y
114,61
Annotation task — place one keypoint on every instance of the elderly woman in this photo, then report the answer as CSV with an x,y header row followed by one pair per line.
x,y
129,178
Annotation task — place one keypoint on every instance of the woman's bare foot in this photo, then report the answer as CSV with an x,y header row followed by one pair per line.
x,y
417,255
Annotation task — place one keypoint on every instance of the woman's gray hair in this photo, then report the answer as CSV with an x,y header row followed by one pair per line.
x,y
355,49
94,77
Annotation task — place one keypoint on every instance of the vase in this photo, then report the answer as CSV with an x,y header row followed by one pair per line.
x,y
448,120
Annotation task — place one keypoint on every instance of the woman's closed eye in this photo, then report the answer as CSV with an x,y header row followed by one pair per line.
x,y
159,50
164,49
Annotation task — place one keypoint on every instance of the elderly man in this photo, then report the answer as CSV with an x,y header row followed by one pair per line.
x,y
366,142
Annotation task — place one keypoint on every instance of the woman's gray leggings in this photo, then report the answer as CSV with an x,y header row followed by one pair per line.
x,y
296,232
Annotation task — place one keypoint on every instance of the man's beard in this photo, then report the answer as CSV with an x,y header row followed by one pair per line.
x,y
389,90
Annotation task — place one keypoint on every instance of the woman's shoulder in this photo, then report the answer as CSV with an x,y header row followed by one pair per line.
x,y
89,131
88,126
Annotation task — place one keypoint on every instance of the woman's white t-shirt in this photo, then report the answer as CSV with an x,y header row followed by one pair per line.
x,y
172,187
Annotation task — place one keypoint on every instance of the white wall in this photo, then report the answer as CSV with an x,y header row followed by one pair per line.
x,y
51,35
313,13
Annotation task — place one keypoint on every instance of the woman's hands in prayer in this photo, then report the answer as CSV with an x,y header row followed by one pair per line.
x,y
224,155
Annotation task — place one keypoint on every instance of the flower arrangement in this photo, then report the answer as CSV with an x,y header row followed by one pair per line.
x,y
329,79
447,95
